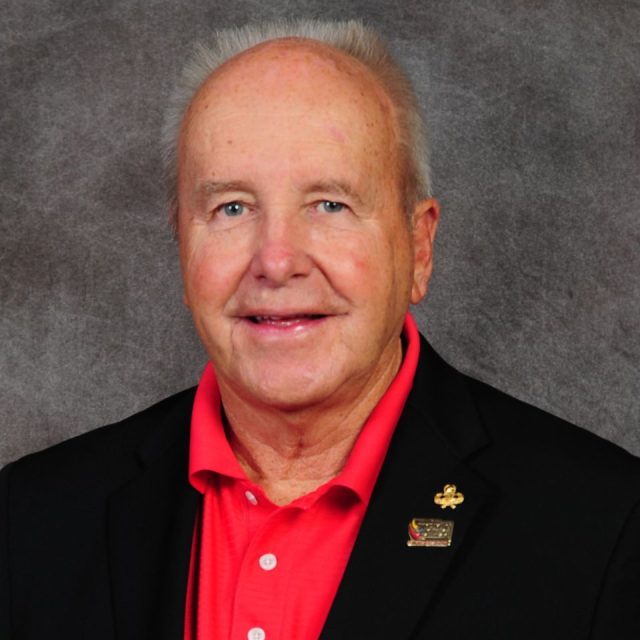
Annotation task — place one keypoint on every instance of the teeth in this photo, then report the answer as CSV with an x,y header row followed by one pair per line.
x,y
283,318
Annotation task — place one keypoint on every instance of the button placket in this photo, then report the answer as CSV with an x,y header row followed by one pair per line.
x,y
261,557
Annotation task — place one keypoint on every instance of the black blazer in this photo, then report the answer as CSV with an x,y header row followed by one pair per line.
x,y
96,532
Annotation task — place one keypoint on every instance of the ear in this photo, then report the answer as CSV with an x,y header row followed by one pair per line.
x,y
424,225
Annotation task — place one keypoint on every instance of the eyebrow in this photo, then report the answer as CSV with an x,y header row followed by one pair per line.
x,y
211,187
333,187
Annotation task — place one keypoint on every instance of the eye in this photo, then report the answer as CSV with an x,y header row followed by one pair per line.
x,y
232,209
329,206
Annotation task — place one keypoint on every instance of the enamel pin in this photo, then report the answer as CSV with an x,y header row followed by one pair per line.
x,y
450,497
430,532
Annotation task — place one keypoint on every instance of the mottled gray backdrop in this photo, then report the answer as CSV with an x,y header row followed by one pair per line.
x,y
533,107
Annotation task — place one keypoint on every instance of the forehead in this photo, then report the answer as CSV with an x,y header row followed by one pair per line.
x,y
293,79
294,61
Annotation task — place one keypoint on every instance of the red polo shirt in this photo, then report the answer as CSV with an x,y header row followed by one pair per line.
x,y
264,572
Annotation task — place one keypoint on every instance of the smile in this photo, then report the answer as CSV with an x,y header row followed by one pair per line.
x,y
285,321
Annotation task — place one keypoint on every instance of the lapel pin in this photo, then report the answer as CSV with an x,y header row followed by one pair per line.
x,y
450,497
430,532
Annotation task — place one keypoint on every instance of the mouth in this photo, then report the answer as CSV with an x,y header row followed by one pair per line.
x,y
285,321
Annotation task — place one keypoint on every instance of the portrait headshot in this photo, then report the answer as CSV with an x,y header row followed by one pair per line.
x,y
320,320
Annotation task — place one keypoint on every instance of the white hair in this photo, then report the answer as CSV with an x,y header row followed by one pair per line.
x,y
351,37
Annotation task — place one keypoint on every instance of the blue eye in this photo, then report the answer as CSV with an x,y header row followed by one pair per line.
x,y
332,207
233,209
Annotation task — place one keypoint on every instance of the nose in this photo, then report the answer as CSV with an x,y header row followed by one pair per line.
x,y
281,251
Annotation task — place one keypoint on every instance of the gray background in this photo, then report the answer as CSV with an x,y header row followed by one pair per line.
x,y
533,110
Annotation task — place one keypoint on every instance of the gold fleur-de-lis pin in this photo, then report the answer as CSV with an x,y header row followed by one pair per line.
x,y
450,497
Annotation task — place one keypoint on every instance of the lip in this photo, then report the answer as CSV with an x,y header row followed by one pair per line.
x,y
282,324
283,318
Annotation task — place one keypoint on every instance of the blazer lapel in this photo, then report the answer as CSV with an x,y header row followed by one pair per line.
x,y
388,586
151,522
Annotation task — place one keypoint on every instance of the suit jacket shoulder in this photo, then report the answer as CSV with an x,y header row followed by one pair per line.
x,y
104,456
541,435
61,528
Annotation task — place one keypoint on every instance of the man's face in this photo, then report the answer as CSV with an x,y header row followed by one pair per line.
x,y
297,257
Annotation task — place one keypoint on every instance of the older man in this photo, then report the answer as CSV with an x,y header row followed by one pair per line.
x,y
331,476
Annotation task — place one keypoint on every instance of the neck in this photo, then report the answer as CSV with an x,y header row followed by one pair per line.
x,y
291,452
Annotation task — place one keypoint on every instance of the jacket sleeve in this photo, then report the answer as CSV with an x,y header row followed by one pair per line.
x,y
618,612
5,602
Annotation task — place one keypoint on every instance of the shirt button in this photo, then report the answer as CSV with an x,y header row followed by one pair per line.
x,y
256,634
250,496
268,561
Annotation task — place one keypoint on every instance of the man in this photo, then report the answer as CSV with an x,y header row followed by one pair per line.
x,y
331,476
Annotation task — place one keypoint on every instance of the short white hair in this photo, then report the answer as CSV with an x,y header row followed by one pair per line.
x,y
351,37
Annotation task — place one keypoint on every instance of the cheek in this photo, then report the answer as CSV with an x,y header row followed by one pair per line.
x,y
342,254
211,269
203,278
359,263
358,267
390,269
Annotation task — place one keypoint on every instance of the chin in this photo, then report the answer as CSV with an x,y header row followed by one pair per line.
x,y
292,390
